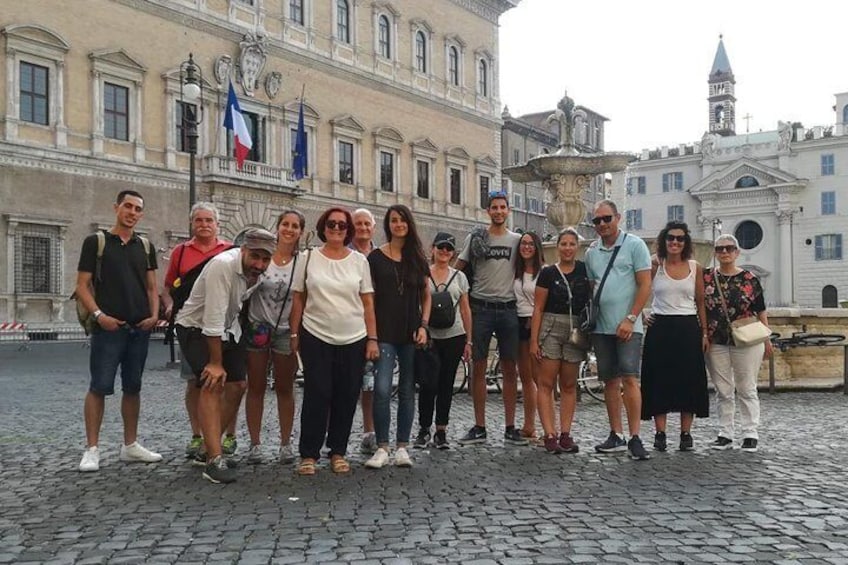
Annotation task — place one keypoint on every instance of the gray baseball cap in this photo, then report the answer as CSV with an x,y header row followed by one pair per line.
x,y
261,240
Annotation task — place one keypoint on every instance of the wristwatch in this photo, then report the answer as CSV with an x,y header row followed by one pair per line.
x,y
631,318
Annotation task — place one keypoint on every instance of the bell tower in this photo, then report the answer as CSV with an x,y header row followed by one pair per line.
x,y
722,97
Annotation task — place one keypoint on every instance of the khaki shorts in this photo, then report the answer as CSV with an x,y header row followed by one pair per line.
x,y
554,338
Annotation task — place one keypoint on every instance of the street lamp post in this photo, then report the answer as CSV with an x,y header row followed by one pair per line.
x,y
191,97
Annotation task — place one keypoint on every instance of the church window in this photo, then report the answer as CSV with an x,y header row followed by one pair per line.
x,y
749,234
747,182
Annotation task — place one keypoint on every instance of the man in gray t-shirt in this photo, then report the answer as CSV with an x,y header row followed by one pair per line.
x,y
492,256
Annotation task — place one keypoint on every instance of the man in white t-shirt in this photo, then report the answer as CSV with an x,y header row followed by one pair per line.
x,y
492,256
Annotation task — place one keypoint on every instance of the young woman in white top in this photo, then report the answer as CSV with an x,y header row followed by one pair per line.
x,y
334,329
527,269
674,378
268,335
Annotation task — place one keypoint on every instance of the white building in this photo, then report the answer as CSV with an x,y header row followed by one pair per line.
x,y
777,191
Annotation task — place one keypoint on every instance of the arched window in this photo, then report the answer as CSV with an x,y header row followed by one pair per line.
x,y
830,298
483,78
420,52
747,182
719,114
342,21
453,66
384,38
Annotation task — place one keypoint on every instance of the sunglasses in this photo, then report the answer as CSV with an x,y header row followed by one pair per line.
x,y
725,248
340,225
678,238
528,244
602,219
445,247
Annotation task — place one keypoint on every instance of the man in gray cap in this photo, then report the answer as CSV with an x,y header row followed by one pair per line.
x,y
211,338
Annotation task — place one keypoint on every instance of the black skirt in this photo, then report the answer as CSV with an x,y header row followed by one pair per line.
x,y
674,378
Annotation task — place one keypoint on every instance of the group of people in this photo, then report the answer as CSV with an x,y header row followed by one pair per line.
x,y
353,312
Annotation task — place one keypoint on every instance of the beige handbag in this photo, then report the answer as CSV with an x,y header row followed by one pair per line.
x,y
745,331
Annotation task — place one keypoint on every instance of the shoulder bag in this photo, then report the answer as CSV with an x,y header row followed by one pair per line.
x,y
589,315
576,337
745,331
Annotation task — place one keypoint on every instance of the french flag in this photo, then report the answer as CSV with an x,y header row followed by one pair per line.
x,y
234,121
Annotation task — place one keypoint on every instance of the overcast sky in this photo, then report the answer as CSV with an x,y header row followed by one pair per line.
x,y
644,64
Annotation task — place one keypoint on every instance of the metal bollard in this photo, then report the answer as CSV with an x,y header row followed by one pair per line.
x,y
845,369
771,373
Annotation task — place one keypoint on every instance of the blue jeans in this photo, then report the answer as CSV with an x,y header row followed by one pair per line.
x,y
405,355
127,347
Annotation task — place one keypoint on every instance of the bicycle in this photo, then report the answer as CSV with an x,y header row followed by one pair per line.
x,y
587,378
804,339
494,375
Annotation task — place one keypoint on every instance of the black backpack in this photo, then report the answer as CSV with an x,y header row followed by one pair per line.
x,y
442,308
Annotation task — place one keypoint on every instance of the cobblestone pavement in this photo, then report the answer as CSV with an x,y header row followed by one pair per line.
x,y
473,505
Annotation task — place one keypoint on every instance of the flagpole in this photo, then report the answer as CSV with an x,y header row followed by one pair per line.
x,y
302,92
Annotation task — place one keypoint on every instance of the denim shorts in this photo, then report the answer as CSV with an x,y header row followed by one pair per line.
x,y
125,347
258,336
501,321
196,353
617,358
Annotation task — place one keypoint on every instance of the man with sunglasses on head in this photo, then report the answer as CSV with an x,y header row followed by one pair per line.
x,y
617,336
493,311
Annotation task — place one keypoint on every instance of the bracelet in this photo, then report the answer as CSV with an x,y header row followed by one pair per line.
x,y
294,335
97,313
372,338
469,344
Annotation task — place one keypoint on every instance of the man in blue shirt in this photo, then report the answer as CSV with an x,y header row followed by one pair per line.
x,y
617,337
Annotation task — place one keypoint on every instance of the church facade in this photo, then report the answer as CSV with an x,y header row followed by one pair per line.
x,y
779,192
400,103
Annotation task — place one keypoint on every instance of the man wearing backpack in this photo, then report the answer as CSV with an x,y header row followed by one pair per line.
x,y
186,262
116,283
493,253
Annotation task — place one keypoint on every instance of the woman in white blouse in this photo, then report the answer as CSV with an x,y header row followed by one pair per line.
x,y
527,268
334,329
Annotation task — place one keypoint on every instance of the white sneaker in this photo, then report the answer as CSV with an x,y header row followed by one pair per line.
x,y
90,460
137,453
378,460
402,458
286,454
254,455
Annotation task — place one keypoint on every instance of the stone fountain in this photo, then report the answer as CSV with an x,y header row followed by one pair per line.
x,y
567,173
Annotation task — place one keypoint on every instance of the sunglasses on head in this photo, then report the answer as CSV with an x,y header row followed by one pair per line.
x,y
679,238
444,247
725,248
340,225
601,219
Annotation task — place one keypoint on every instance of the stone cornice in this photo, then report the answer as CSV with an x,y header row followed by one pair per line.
x,y
233,32
490,10
26,156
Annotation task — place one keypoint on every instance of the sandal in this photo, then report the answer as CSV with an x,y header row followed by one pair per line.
x,y
306,467
340,466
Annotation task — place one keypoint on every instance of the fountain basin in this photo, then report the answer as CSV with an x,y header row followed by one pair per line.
x,y
543,166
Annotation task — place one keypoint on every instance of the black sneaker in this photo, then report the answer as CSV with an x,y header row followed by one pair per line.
x,y
514,437
686,442
660,441
749,444
477,434
218,472
200,460
636,450
423,439
613,444
722,443
440,440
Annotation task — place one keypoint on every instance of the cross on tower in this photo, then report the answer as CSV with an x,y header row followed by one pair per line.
x,y
747,118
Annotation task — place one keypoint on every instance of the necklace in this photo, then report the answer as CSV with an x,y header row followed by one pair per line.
x,y
398,271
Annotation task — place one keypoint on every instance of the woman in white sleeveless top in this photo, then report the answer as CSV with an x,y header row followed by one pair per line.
x,y
674,378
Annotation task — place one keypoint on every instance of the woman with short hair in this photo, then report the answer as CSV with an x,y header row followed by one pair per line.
x,y
334,329
732,293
